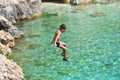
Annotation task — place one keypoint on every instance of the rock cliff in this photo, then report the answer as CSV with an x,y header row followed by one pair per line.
x,y
7,34
9,70
15,10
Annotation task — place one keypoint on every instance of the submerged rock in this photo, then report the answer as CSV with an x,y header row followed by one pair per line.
x,y
32,46
9,70
97,14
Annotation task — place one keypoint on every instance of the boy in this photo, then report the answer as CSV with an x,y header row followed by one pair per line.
x,y
58,43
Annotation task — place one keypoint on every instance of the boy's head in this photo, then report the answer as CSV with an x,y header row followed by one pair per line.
x,y
62,27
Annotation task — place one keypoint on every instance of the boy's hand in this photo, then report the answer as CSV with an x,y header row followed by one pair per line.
x,y
55,44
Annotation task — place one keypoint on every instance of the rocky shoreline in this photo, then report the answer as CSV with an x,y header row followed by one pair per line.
x,y
12,11
9,70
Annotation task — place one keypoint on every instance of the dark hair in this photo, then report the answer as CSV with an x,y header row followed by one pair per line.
x,y
62,26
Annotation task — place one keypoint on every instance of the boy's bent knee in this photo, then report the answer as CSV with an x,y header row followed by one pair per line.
x,y
65,49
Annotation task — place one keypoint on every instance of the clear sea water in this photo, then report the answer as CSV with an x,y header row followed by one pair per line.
x,y
92,37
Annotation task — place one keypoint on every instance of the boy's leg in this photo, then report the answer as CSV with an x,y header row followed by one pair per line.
x,y
64,44
64,50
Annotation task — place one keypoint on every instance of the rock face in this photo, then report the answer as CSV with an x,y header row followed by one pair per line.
x,y
19,9
6,42
8,27
7,34
9,70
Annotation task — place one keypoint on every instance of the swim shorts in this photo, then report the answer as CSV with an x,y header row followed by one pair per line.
x,y
58,44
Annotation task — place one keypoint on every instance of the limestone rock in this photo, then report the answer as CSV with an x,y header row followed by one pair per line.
x,y
8,27
7,34
6,41
9,70
14,10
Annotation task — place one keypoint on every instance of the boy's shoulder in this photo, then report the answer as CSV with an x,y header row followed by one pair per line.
x,y
58,32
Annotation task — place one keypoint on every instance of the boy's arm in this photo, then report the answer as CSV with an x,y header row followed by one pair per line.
x,y
53,39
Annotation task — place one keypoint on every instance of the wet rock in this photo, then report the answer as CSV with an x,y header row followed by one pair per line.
x,y
80,1
9,70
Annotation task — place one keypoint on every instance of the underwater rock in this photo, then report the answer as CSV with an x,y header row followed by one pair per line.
x,y
15,10
97,14
32,46
9,70
52,14
109,64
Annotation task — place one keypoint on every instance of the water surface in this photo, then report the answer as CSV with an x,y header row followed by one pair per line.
x,y
92,37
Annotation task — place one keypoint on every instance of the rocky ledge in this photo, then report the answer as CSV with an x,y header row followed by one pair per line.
x,y
9,70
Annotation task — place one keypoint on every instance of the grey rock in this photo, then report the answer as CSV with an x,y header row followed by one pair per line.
x,y
10,70
15,10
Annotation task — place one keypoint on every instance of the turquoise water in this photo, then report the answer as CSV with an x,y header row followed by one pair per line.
x,y
92,37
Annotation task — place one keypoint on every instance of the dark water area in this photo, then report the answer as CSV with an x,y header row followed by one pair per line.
x,y
92,37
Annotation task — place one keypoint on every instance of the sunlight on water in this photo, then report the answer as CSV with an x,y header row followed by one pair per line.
x,y
92,37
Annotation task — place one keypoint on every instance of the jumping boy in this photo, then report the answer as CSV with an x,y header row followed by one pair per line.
x,y
58,43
